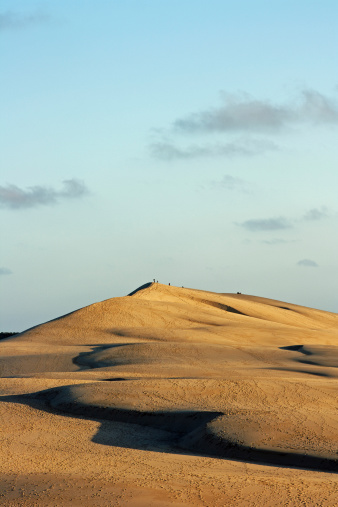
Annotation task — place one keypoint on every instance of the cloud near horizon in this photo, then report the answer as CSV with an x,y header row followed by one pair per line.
x,y
279,223
266,224
277,241
307,263
11,20
241,112
13,197
5,271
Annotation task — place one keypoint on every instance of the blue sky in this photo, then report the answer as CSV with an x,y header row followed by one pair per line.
x,y
188,141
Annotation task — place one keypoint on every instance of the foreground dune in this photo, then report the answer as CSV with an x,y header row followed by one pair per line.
x,y
172,396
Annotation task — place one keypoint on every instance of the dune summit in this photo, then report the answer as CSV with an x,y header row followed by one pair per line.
x,y
172,396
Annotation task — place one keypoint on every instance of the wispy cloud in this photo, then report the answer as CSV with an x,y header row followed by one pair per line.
x,y
307,263
14,197
229,182
276,241
317,108
237,114
241,112
11,20
166,150
5,271
279,223
266,224
244,115
315,214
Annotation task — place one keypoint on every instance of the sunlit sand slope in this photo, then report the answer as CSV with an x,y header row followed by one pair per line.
x,y
229,377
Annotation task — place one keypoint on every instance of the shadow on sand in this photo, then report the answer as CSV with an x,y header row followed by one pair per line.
x,y
177,432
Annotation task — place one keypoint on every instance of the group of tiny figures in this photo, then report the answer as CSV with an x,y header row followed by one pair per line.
x,y
156,281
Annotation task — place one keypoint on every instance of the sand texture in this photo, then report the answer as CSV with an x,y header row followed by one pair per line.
x,y
172,396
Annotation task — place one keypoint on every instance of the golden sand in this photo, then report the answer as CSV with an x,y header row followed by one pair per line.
x,y
172,396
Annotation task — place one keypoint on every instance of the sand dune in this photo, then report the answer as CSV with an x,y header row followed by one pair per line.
x,y
172,396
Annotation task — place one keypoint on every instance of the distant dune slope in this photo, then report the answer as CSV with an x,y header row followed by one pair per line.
x,y
223,317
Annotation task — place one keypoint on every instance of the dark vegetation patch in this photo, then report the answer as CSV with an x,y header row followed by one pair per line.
x,y
6,335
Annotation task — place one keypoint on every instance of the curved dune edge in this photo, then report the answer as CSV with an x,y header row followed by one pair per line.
x,y
246,430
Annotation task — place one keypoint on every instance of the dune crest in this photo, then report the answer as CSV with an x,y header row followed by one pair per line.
x,y
228,376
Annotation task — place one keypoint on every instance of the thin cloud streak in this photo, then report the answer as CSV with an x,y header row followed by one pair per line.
x,y
229,182
279,223
277,241
5,271
308,263
266,224
242,112
13,197
11,20
243,147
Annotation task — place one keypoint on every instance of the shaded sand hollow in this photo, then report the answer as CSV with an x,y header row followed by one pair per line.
x,y
172,396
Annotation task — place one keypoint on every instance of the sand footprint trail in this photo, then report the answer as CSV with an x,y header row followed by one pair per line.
x,y
183,372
